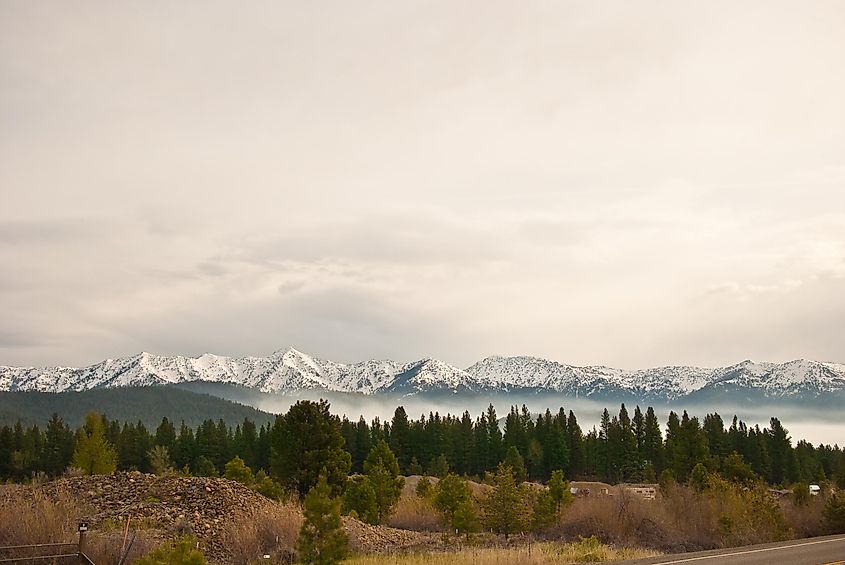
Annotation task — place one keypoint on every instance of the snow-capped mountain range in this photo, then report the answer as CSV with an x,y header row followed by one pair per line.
x,y
290,371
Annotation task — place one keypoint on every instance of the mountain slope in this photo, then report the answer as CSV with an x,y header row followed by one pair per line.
x,y
290,371
130,404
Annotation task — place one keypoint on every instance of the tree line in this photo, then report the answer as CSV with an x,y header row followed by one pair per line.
x,y
622,448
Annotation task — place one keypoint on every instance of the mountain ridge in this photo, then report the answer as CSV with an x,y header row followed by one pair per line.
x,y
289,370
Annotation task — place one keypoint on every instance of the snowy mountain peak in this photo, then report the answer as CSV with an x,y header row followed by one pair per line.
x,y
289,370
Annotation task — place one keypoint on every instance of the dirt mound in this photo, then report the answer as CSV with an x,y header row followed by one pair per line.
x,y
365,538
411,482
233,523
165,507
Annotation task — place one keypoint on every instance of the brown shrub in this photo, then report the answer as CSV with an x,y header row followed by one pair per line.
x,y
415,513
273,534
805,520
682,520
627,519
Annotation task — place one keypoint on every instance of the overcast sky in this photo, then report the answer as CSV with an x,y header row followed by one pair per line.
x,y
621,183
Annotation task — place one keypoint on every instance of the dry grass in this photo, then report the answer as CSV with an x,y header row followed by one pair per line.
x,y
274,534
105,547
37,519
536,554
29,517
415,513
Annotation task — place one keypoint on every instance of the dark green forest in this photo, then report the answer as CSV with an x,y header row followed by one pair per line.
x,y
147,404
626,447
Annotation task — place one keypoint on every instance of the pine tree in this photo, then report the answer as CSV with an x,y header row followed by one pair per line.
x,y
165,433
465,520
322,540
400,437
94,454
652,450
575,443
306,440
449,494
58,446
494,435
545,511
505,508
840,474
359,497
514,460
559,489
382,470
237,470
203,467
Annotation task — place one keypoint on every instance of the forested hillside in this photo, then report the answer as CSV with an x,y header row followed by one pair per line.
x,y
132,404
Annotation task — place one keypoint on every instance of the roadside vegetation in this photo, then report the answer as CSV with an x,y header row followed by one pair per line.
x,y
489,495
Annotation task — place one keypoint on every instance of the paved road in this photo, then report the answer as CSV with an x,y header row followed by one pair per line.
x,y
828,550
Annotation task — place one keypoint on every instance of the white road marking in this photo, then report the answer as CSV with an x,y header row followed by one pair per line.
x,y
721,555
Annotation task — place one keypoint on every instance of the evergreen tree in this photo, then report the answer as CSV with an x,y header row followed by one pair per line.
x,y
545,511
630,466
438,466
424,488
505,508
359,497
236,470
575,444
638,425
449,494
58,447
93,453
363,443
559,489
514,460
166,434
652,449
717,437
204,467
400,437
465,520
494,437
840,473
382,470
780,451
306,440
184,449
322,540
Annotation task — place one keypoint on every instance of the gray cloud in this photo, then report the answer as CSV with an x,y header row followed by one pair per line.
x,y
620,184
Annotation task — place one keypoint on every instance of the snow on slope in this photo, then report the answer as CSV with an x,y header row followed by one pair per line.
x,y
289,370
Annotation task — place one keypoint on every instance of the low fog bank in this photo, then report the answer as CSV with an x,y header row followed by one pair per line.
x,y
808,423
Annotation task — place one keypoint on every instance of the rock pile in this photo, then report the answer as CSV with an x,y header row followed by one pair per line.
x,y
210,509
233,523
